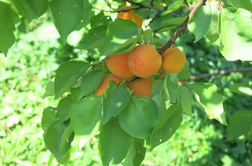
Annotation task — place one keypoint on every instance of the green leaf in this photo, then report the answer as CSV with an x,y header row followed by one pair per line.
x,y
136,153
174,6
199,23
64,108
66,15
240,124
171,86
100,19
115,99
48,117
244,88
186,99
58,139
236,34
213,32
165,23
185,72
167,125
8,17
49,89
88,13
147,36
33,9
121,36
75,94
86,118
94,39
211,101
160,102
114,143
139,117
7,39
157,87
67,75
90,82
245,4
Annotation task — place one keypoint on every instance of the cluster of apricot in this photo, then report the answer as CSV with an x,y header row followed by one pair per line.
x,y
143,61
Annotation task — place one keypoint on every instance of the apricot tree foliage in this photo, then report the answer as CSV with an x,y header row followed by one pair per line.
x,y
126,124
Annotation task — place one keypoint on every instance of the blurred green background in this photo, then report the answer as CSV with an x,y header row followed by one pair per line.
x,y
33,61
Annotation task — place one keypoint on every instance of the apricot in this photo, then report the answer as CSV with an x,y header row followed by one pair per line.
x,y
173,60
142,87
130,15
144,60
138,20
118,65
105,83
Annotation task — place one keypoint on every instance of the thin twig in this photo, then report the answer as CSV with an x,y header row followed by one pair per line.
x,y
182,28
222,72
145,6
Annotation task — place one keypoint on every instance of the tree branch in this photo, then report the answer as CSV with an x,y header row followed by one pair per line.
x,y
145,6
182,28
222,72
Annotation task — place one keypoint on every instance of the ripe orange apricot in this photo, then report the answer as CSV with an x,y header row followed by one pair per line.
x,y
105,83
138,20
130,15
142,87
173,60
118,65
144,60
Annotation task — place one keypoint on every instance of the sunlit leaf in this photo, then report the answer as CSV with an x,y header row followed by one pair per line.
x,y
211,101
213,32
86,118
200,22
236,34
244,88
